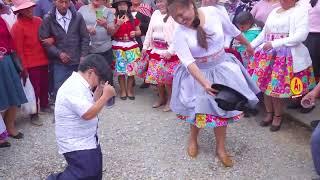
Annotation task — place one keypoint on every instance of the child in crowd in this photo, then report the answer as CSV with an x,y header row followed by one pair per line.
x,y
250,28
125,47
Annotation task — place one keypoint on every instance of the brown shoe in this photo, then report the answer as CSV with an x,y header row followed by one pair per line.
x,y
226,160
193,151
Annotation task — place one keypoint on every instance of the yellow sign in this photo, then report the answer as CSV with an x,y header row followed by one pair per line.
x,y
296,86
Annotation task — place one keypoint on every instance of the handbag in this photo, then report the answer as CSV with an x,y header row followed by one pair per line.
x,y
16,62
31,106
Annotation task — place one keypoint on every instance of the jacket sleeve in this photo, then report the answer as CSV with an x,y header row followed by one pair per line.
x,y
84,37
17,36
300,32
144,22
44,33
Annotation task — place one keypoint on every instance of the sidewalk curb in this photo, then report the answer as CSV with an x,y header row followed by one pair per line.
x,y
290,116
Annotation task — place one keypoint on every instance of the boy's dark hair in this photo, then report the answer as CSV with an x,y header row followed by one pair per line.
x,y
245,17
99,64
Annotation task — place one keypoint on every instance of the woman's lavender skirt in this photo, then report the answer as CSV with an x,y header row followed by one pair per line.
x,y
189,98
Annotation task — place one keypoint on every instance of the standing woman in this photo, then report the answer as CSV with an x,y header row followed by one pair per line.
x,y
281,59
162,59
263,8
199,44
11,92
33,57
313,39
125,47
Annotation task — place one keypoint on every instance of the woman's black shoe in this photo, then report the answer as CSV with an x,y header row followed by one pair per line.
x,y
131,97
274,128
18,136
5,144
123,98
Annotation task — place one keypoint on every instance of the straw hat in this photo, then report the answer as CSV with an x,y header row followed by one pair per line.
x,y
22,4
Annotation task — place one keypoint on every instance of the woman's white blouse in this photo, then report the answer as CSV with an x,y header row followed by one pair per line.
x,y
216,25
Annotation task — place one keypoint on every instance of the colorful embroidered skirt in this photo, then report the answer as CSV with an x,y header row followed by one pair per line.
x,y
160,71
273,73
208,120
125,59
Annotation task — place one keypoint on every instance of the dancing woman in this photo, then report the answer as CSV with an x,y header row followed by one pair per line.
x,y
199,44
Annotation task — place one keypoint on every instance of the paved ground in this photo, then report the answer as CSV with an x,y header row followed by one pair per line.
x,y
139,142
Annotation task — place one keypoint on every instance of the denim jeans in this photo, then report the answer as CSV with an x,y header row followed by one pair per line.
x,y
61,72
315,148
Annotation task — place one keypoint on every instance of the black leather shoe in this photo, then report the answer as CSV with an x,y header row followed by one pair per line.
x,y
18,136
274,128
5,144
123,98
131,97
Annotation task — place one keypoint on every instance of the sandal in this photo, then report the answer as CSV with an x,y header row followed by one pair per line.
x,y
274,128
264,123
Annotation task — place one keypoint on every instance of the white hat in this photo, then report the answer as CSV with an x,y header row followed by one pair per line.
x,y
22,4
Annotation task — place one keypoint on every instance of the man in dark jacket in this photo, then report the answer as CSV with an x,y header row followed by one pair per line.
x,y
65,37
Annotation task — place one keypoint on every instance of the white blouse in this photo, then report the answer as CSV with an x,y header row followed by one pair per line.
x,y
216,25
280,23
158,29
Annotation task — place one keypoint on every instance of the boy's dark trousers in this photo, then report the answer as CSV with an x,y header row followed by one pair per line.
x,y
84,165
